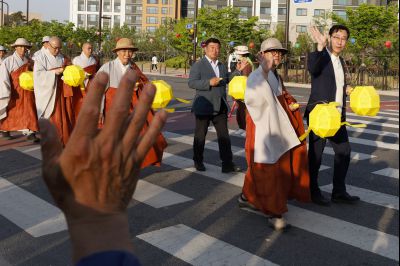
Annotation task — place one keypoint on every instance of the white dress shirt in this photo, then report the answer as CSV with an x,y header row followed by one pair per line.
x,y
339,78
214,66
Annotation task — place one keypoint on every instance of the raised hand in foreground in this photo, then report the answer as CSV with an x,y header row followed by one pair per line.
x,y
93,178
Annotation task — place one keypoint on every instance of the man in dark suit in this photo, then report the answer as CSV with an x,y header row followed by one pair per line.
x,y
328,84
209,78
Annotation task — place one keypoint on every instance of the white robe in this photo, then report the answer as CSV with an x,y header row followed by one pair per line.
x,y
38,53
10,64
83,61
45,82
274,133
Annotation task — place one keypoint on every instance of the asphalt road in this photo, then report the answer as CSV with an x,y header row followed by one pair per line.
x,y
182,217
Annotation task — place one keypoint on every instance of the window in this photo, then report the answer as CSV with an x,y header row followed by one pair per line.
x,y
301,11
151,29
164,10
342,2
341,13
301,28
152,20
107,6
282,11
152,1
319,12
117,5
81,5
92,20
92,5
165,2
81,20
265,11
163,20
152,10
117,21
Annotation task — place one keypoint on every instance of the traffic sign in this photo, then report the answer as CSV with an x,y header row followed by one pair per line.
x,y
189,26
302,1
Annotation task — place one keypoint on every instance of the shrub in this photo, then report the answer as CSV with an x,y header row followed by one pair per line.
x,y
176,62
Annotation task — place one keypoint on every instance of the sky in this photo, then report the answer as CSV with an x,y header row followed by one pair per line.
x,y
49,9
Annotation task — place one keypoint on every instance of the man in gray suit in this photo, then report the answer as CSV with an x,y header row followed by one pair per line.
x,y
209,78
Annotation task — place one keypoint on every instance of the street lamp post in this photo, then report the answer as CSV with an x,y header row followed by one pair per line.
x,y
27,12
287,38
195,30
100,18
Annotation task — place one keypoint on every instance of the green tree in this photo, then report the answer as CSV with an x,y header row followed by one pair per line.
x,y
16,19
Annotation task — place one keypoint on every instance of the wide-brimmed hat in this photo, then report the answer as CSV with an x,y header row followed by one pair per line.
x,y
45,39
242,49
21,42
125,43
2,48
272,44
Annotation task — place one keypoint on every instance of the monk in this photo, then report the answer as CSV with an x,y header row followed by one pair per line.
x,y
277,160
17,105
116,69
54,98
45,45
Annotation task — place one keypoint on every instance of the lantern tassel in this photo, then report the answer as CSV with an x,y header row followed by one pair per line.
x,y
182,100
353,125
302,137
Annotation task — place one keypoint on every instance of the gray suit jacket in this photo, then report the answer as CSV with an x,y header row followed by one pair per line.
x,y
207,100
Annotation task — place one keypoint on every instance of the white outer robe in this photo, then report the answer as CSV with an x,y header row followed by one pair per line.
x,y
274,134
10,64
83,61
45,82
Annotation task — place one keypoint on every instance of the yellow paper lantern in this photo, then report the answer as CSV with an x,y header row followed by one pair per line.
x,y
364,100
26,80
74,75
163,95
237,87
325,120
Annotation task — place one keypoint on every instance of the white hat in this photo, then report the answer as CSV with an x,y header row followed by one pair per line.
x,y
272,44
21,42
242,49
2,48
45,39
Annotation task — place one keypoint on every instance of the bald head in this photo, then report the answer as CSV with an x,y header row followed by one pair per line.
x,y
87,49
55,45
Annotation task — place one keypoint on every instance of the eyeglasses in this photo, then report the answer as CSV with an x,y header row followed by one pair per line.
x,y
55,48
274,52
338,39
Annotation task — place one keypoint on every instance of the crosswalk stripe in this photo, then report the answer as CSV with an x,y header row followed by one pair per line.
x,y
156,196
373,123
330,227
34,215
240,152
374,132
377,117
355,235
370,196
390,172
389,113
375,143
212,145
200,249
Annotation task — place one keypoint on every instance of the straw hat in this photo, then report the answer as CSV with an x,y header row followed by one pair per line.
x,y
45,39
242,49
21,42
125,43
2,48
272,44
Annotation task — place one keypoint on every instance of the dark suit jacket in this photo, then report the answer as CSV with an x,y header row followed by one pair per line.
x,y
323,82
207,100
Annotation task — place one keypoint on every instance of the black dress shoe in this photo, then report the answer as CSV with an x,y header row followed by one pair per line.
x,y
199,166
6,135
32,137
230,168
319,199
344,198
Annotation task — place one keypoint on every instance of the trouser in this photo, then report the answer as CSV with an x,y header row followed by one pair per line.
x,y
241,115
220,122
153,66
341,146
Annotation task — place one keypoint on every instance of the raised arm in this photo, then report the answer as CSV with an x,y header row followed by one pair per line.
x,y
315,58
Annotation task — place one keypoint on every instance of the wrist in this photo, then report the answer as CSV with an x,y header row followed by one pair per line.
x,y
99,233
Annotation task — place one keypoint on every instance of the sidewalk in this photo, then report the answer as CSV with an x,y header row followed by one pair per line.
x,y
180,72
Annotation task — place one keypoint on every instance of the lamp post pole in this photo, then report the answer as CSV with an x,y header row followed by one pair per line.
x,y
195,30
100,20
27,12
287,38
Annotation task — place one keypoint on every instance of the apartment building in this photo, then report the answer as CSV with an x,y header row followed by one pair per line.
x,y
139,14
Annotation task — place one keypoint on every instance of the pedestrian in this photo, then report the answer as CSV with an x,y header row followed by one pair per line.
x,y
277,160
54,98
17,105
45,45
209,77
244,67
154,62
3,52
116,69
232,61
93,179
328,84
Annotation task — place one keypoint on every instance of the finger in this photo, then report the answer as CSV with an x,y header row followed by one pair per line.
x,y
50,142
88,118
121,104
150,137
139,118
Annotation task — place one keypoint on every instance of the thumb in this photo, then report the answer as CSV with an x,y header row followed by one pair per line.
x,y
50,143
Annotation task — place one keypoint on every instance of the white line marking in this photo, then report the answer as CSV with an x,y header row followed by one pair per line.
x,y
34,215
32,149
372,123
373,117
396,113
375,143
373,132
157,196
370,196
199,249
390,172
